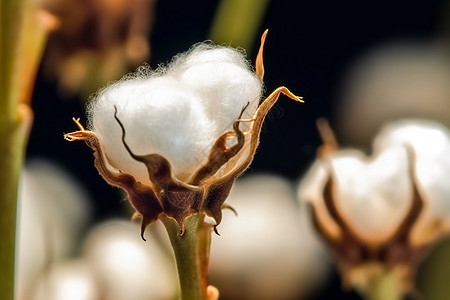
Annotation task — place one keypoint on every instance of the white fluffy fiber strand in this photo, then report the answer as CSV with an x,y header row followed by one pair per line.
x,y
178,111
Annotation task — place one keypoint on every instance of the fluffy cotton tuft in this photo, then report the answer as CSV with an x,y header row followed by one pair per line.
x,y
178,111
430,142
375,194
372,194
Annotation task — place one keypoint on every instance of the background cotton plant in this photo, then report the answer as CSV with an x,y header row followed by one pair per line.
x,y
381,214
151,131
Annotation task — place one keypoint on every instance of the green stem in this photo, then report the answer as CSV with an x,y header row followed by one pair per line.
x,y
23,33
191,254
13,136
383,286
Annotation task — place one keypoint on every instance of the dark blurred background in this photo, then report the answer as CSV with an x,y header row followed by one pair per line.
x,y
310,47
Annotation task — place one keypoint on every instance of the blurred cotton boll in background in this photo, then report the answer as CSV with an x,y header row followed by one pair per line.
x,y
387,210
53,211
431,144
125,266
96,41
395,81
68,280
269,250
115,264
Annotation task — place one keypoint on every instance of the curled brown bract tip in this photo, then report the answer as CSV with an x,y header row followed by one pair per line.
x,y
226,206
219,189
258,120
259,65
81,134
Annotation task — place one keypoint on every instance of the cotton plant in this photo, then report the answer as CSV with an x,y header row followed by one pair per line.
x,y
175,139
380,214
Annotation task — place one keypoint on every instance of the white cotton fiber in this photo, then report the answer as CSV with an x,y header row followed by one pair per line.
x,y
373,194
430,142
177,112
207,80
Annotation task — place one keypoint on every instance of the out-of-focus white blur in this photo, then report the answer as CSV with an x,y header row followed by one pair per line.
x,y
126,267
52,212
68,280
391,82
115,264
269,251
55,261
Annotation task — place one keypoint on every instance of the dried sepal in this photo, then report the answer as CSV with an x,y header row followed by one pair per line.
x,y
178,199
142,198
220,153
218,190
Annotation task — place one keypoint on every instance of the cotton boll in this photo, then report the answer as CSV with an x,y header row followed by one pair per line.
x,y
53,210
160,116
127,267
373,195
269,250
430,142
70,280
177,111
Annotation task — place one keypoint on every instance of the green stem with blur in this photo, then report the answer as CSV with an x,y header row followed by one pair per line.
x,y
383,285
192,255
237,22
23,35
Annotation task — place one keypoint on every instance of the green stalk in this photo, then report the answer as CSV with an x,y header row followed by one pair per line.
x,y
11,147
383,285
237,22
23,35
192,255
13,137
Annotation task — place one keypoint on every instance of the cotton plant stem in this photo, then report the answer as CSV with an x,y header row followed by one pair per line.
x,y
383,286
192,255
237,22
23,35
13,136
